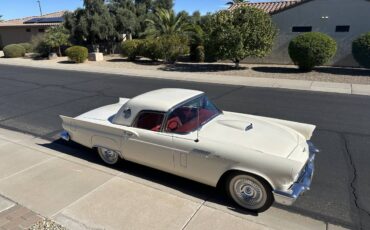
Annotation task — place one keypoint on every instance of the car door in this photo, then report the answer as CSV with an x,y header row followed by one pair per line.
x,y
147,145
196,159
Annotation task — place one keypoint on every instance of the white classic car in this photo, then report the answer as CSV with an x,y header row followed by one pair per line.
x,y
258,160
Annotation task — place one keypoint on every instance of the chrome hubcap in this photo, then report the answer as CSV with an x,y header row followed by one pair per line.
x,y
109,156
248,192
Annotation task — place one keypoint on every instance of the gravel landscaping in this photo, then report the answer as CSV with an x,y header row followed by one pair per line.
x,y
324,74
47,224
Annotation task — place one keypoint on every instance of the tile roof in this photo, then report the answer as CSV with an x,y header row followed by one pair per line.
x,y
20,21
270,7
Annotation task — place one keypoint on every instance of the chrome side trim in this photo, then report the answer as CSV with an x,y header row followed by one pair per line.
x,y
65,135
302,184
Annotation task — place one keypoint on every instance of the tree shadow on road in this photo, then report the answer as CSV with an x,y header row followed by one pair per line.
x,y
275,69
192,188
346,71
200,67
137,61
66,62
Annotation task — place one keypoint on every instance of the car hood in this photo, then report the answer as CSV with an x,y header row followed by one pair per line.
x,y
252,133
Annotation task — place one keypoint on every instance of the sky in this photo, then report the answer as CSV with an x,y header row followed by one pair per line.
x,y
11,9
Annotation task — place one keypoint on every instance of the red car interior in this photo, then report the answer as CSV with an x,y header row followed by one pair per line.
x,y
150,121
192,124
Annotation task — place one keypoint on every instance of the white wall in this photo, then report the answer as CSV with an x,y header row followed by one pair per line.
x,y
355,13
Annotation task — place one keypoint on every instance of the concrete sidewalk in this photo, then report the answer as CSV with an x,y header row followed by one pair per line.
x,y
79,194
331,87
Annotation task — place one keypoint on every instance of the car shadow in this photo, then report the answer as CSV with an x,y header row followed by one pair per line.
x,y
200,67
189,187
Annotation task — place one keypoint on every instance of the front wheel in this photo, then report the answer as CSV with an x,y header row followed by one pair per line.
x,y
109,156
249,192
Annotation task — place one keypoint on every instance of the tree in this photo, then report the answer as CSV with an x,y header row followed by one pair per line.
x,y
1,18
196,17
56,37
165,22
163,4
92,24
236,35
233,2
147,4
125,17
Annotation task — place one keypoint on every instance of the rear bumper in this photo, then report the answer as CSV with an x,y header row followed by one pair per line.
x,y
65,136
302,184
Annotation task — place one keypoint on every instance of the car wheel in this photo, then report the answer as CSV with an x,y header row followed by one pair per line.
x,y
249,192
109,156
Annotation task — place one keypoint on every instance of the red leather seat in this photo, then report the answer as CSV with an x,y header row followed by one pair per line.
x,y
173,124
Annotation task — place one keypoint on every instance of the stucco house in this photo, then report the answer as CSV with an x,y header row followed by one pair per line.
x,y
343,20
22,30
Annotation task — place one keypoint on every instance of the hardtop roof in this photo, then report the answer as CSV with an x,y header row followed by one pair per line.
x,y
162,99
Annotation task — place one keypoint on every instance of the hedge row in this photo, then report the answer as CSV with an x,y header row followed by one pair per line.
x,y
168,48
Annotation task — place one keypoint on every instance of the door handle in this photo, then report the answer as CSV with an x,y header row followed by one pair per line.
x,y
127,134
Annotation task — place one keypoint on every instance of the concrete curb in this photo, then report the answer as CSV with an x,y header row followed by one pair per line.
x,y
315,86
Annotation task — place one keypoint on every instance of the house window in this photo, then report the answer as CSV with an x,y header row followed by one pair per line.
x,y
28,30
41,30
342,28
302,29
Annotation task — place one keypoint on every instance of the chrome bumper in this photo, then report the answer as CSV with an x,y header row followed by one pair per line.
x,y
65,136
302,184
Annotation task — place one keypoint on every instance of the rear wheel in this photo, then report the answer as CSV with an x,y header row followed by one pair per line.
x,y
249,192
109,156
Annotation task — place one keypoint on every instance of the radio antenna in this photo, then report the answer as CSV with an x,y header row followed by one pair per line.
x,y
39,2
198,121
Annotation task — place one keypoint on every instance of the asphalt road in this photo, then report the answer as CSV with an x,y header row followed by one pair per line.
x,y
31,100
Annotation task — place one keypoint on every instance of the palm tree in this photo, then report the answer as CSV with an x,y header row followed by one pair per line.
x,y
0,18
165,22
233,2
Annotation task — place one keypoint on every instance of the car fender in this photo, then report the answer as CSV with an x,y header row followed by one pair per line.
x,y
250,171
106,142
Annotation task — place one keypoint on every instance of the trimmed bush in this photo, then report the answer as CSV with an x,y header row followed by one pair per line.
x,y
199,55
361,50
14,51
311,49
27,47
130,49
77,54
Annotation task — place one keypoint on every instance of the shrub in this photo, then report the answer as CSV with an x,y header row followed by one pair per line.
x,y
173,46
199,55
13,51
77,54
130,49
311,49
27,47
150,48
361,50
39,46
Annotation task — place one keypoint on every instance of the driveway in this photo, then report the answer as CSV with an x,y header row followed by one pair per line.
x,y
31,100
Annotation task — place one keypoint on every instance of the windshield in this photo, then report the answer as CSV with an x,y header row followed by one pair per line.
x,y
190,116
